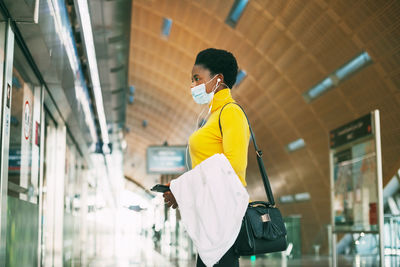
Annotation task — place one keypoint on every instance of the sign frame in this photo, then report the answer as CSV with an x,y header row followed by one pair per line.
x,y
372,133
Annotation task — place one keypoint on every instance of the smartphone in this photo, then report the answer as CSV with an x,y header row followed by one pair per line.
x,y
160,188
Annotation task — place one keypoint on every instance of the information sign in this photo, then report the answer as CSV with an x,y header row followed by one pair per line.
x,y
356,180
354,130
166,159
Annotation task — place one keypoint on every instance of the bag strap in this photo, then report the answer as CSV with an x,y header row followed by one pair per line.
x,y
260,162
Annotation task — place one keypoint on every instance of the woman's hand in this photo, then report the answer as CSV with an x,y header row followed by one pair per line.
x,y
170,200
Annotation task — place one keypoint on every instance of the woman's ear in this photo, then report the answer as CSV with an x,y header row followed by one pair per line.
x,y
221,76
220,79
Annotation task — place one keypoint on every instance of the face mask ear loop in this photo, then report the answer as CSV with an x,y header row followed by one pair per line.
x,y
213,91
209,110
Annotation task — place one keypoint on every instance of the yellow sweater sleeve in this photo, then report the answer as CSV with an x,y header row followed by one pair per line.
x,y
235,138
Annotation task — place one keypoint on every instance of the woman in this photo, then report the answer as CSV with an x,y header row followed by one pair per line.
x,y
213,75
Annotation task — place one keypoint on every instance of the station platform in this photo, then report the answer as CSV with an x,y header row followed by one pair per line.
x,y
140,252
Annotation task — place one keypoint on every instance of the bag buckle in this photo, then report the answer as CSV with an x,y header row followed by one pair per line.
x,y
265,218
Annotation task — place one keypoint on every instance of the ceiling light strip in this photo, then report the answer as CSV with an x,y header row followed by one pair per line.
x,y
166,28
236,12
334,79
240,77
353,66
295,145
92,62
64,32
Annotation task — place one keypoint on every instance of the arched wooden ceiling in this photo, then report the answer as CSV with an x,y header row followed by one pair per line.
x,y
285,47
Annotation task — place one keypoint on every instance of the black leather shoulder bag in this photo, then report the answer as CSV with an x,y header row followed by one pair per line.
x,y
263,229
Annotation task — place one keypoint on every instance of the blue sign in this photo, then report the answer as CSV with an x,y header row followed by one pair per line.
x,y
166,159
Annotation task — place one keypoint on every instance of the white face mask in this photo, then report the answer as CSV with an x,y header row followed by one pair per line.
x,y
200,95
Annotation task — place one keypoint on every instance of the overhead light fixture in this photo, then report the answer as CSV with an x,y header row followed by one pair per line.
x,y
334,79
236,11
124,144
63,29
302,196
286,199
296,145
240,77
86,25
319,89
131,94
354,65
166,27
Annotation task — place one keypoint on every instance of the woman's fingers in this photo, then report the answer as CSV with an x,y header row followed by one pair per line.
x,y
169,200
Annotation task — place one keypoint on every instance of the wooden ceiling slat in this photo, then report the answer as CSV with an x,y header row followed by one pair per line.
x,y
272,7
291,11
270,35
305,19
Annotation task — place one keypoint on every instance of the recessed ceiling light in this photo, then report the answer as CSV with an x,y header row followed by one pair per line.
x,y
334,79
240,76
166,27
131,89
235,13
353,66
302,196
319,89
286,199
295,145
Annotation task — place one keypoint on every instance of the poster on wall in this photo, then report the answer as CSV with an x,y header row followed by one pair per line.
x,y
355,187
26,142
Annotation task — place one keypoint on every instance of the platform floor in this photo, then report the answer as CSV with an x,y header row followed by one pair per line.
x,y
140,252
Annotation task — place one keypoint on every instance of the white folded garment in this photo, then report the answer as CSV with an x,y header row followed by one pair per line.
x,y
212,202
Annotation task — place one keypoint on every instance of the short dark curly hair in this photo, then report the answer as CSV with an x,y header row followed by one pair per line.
x,y
219,61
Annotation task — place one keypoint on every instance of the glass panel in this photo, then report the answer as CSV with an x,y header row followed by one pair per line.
x,y
23,172
22,237
48,197
69,184
355,187
72,192
293,227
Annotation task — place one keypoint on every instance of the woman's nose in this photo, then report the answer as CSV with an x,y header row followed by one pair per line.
x,y
193,84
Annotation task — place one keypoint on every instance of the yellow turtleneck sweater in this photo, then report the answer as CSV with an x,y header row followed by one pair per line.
x,y
207,141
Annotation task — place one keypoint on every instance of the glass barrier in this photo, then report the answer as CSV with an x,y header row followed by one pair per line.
x,y
392,240
293,228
